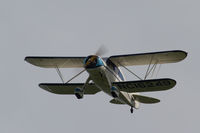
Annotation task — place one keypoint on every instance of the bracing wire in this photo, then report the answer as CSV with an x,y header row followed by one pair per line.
x,y
158,70
132,72
148,68
60,74
75,76
153,72
152,68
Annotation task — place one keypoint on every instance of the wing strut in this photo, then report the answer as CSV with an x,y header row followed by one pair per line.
x,y
149,69
131,72
60,74
75,76
158,70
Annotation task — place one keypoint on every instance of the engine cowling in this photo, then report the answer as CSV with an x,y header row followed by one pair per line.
x,y
78,93
114,92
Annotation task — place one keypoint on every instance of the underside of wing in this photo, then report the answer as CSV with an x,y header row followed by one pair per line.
x,y
65,89
56,62
147,58
115,101
145,99
145,85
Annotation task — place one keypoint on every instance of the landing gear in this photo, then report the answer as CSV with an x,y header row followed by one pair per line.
x,y
131,110
79,92
114,92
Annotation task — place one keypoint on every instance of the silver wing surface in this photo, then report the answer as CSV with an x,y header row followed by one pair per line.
x,y
68,89
56,62
145,85
149,58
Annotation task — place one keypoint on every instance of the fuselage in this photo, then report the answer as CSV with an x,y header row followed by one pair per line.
x,y
103,73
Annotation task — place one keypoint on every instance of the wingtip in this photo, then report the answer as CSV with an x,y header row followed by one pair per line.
x,y
44,87
25,59
184,54
41,86
173,82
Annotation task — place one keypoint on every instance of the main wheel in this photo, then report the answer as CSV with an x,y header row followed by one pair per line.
x,y
78,96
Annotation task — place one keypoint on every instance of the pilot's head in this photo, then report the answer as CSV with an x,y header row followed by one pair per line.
x,y
93,61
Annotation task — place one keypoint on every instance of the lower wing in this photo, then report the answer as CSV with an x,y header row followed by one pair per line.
x,y
68,89
145,85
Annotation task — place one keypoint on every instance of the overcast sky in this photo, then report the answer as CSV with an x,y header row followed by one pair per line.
x,y
78,28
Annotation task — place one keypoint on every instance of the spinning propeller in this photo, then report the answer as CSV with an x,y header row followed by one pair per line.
x,y
91,60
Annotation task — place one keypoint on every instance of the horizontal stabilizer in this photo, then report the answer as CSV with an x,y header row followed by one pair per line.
x,y
145,85
144,99
146,58
67,89
114,101
56,62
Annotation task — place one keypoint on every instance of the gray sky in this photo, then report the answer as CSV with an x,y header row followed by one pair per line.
x,y
78,28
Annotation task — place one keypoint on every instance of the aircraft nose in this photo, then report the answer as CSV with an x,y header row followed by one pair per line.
x,y
92,61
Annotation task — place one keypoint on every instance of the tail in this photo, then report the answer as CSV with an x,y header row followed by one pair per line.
x,y
145,99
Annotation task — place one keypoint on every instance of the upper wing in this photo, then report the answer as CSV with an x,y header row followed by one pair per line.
x,y
53,62
147,58
68,88
145,85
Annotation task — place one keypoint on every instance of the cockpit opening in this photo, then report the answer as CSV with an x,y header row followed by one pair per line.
x,y
93,61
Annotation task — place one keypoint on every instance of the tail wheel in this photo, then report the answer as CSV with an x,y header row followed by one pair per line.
x,y
131,110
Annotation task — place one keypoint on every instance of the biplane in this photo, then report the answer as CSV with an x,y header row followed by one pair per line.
x,y
105,74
